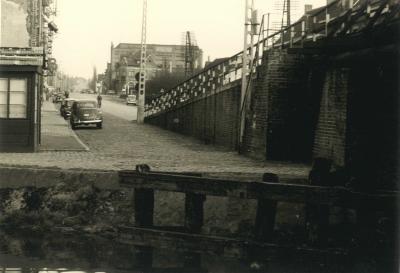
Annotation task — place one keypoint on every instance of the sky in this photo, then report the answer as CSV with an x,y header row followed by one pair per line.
x,y
87,28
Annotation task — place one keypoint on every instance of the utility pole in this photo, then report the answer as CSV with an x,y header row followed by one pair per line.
x,y
0,23
247,59
189,54
142,73
286,10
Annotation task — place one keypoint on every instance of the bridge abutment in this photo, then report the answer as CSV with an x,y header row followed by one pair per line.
x,y
279,124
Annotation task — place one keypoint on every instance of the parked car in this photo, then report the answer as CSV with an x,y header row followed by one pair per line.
x,y
85,112
66,106
58,97
111,92
131,99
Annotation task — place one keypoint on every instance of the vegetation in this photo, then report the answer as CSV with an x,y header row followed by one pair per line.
x,y
162,82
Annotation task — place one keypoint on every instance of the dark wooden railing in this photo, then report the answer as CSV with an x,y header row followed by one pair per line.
x,y
317,199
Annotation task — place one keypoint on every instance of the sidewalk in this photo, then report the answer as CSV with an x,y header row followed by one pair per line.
x,y
56,132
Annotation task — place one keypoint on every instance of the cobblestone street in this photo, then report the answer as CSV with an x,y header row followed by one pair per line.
x,y
122,144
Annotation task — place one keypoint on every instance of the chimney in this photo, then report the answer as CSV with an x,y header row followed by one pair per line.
x,y
307,8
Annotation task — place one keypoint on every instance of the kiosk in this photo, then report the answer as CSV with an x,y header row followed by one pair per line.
x,y
20,99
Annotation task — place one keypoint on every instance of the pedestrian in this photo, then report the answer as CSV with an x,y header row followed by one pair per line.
x,y
99,98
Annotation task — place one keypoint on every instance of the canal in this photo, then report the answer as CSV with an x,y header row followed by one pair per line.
x,y
73,253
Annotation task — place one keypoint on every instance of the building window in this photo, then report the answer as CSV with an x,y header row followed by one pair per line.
x,y
13,98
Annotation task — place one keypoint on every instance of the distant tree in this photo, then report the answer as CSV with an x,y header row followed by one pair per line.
x,y
163,80
93,80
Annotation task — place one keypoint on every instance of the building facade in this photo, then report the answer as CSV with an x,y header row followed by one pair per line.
x,y
25,48
125,62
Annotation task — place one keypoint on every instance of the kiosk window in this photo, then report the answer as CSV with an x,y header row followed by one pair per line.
x,y
3,97
13,98
18,98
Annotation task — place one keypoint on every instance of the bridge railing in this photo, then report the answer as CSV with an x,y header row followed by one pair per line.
x,y
316,25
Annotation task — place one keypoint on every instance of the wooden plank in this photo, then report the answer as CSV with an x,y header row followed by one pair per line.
x,y
327,195
224,246
317,216
266,213
194,212
144,207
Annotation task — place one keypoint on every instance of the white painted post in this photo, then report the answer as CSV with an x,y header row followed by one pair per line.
x,y
143,60
1,16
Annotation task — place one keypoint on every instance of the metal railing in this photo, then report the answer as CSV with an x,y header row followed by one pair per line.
x,y
338,18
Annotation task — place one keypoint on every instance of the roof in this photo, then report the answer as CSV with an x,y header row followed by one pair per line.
x,y
139,45
21,56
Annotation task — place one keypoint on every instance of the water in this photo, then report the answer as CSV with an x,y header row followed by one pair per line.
x,y
61,253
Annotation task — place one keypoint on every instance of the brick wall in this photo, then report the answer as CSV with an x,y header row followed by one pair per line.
x,y
213,119
330,136
279,125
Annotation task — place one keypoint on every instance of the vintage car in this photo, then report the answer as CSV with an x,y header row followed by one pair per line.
x,y
131,99
57,97
66,106
85,112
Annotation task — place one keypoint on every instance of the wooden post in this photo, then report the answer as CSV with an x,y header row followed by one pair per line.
x,y
194,212
366,230
266,212
144,257
192,261
317,216
144,207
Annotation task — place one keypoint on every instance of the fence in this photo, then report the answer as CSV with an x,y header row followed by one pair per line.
x,y
317,199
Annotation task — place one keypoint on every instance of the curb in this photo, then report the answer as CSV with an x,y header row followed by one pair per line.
x,y
87,149
21,177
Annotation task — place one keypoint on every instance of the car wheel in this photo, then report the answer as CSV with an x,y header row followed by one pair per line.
x,y
99,125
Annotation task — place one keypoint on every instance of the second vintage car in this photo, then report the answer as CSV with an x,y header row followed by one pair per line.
x,y
65,108
131,99
85,112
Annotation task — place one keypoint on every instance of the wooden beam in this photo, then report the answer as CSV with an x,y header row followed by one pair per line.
x,y
194,212
224,246
266,213
317,216
144,207
325,195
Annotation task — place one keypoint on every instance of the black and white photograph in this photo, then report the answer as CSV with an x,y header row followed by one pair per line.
x,y
199,136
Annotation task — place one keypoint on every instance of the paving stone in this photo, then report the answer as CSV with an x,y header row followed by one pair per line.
x,y
123,144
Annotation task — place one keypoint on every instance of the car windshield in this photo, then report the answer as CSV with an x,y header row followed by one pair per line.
x,y
69,103
132,96
87,104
